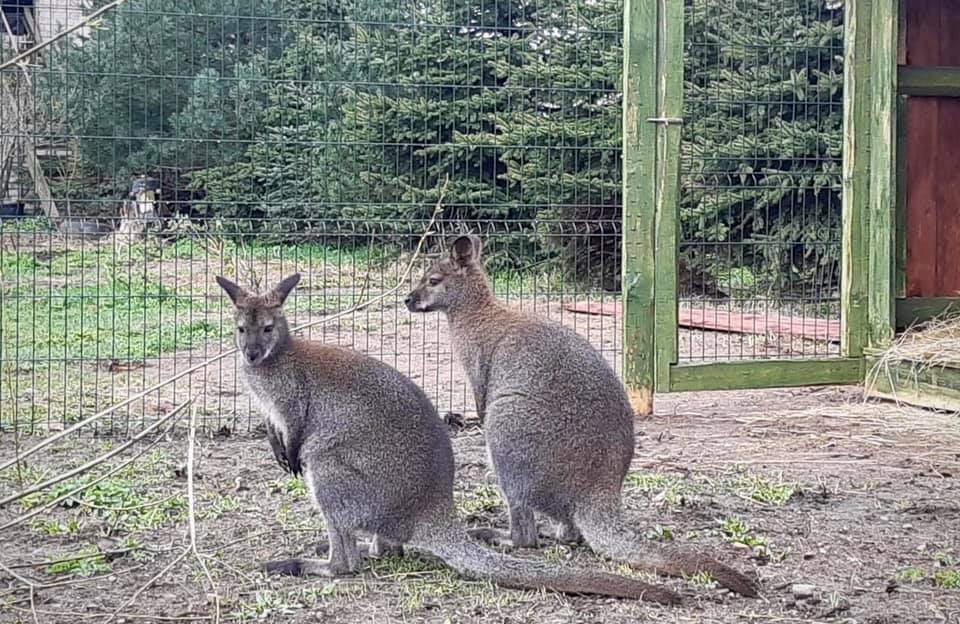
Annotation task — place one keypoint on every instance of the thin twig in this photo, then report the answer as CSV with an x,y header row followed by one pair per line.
x,y
401,281
60,35
96,461
30,585
128,616
145,586
23,518
192,516
126,509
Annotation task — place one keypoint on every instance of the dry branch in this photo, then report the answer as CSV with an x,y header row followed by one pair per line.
x,y
401,280
77,490
97,460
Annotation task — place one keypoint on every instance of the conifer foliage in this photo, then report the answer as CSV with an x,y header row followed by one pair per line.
x,y
351,113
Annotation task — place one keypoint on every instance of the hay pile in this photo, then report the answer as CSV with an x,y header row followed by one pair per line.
x,y
904,370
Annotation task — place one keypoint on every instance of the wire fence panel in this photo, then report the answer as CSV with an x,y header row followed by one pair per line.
x,y
760,209
164,143
169,142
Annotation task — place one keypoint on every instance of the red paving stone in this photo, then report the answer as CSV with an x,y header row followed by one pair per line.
x,y
717,319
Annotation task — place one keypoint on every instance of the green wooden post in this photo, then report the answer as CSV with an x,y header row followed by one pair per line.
x,y
856,182
669,128
639,172
883,195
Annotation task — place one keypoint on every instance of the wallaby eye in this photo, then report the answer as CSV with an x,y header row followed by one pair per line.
x,y
433,281
241,330
267,329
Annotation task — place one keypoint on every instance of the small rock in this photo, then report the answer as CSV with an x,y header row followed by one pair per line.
x,y
809,555
802,590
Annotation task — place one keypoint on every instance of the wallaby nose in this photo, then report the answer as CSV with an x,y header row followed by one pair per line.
x,y
252,354
409,301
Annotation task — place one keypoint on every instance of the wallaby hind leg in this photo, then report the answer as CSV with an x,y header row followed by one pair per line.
x,y
523,531
376,548
381,546
344,559
523,527
568,533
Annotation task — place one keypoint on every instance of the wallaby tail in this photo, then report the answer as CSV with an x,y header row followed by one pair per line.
x,y
608,535
470,559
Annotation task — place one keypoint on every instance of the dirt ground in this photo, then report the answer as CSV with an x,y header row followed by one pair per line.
x,y
848,512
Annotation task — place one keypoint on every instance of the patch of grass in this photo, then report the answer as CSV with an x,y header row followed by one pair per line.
x,y
266,604
401,565
764,489
672,489
737,531
420,592
295,487
947,579
911,575
125,318
660,533
701,578
556,553
483,499
84,562
119,500
52,527
215,505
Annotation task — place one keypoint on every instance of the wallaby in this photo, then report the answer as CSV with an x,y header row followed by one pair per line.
x,y
557,420
374,455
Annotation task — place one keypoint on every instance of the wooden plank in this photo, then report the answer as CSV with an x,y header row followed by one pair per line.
x,y
948,40
856,183
923,33
948,163
921,197
883,88
766,374
921,309
639,168
929,81
900,219
669,107
947,180
936,388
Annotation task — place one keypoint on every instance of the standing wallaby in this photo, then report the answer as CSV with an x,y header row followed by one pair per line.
x,y
557,420
374,455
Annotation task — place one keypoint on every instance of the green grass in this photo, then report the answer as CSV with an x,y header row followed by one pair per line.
x,y
126,501
737,531
765,490
947,579
483,499
86,561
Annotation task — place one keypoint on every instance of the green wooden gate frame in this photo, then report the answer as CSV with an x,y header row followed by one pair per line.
x,y
652,122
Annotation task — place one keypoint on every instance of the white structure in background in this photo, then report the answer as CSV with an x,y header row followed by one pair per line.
x,y
24,24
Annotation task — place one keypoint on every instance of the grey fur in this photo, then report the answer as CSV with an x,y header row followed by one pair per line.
x,y
558,422
374,455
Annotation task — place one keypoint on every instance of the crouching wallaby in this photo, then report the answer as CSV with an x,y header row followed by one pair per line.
x,y
557,420
374,455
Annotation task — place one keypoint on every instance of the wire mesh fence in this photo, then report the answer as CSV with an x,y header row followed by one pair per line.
x,y
177,141
760,208
167,142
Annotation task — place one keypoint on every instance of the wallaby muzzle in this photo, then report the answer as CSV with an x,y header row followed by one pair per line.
x,y
413,302
252,354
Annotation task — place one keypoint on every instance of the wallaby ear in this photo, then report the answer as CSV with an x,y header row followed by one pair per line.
x,y
235,292
282,290
466,250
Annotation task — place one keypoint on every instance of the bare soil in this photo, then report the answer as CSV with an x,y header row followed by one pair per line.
x,y
871,521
